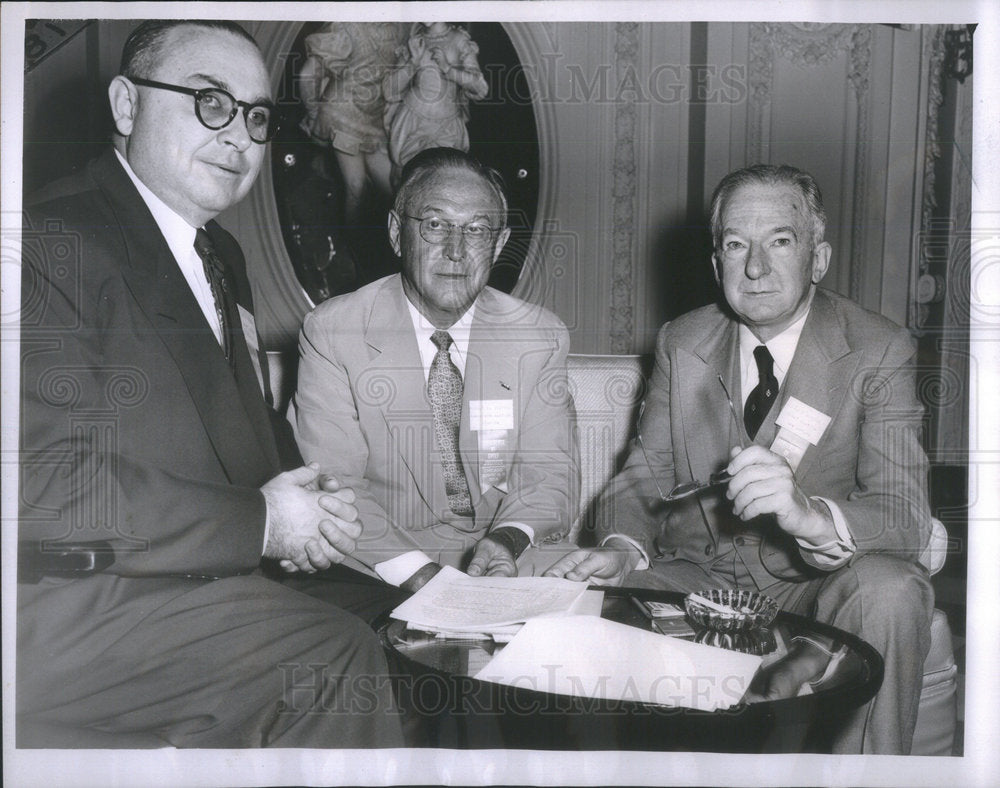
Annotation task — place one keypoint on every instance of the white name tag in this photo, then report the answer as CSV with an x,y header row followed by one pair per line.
x,y
491,414
803,420
250,334
801,426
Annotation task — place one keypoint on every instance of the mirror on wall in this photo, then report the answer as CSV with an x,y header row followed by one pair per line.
x,y
358,100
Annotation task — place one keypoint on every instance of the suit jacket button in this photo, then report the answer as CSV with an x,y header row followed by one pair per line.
x,y
738,541
708,549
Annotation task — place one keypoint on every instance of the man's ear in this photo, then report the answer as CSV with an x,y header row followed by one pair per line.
x,y
820,261
501,240
124,99
394,228
717,268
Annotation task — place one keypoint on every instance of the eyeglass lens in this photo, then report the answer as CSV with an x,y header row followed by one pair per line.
x,y
216,109
434,230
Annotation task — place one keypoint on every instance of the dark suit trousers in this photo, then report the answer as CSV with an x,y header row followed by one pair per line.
x,y
886,601
236,662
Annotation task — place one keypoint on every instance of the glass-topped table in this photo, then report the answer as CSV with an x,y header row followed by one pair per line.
x,y
444,706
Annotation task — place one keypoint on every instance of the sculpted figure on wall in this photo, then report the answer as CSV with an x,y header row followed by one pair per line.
x,y
427,93
341,83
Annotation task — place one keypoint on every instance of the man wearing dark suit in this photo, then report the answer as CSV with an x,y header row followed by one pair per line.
x,y
503,471
826,510
148,447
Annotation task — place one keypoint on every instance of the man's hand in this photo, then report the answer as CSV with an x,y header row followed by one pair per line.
x,y
605,566
310,528
763,483
493,559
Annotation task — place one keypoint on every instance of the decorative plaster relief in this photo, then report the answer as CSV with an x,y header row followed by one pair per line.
x,y
624,184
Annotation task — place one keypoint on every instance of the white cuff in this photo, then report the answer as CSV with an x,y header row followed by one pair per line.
x,y
643,561
528,530
836,553
267,525
401,568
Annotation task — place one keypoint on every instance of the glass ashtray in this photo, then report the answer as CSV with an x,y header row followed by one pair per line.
x,y
736,611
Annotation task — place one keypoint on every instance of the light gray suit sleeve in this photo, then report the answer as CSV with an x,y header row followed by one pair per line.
x,y
324,415
544,484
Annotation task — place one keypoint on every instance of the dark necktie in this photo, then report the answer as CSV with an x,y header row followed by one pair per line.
x,y
763,396
444,390
215,272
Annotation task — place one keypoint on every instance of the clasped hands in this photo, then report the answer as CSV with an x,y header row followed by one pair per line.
x,y
313,523
762,483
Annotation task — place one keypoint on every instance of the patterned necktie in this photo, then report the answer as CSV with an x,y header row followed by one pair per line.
x,y
215,272
763,396
444,390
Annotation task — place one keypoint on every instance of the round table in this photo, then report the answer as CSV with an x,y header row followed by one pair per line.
x,y
442,705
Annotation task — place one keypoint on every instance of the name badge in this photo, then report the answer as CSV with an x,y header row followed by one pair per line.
x,y
492,420
250,335
490,415
801,426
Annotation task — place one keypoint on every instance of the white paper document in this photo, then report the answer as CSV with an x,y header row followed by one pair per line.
x,y
454,602
591,657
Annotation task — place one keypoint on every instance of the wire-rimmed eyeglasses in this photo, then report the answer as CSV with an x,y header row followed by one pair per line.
x,y
435,230
216,109
684,489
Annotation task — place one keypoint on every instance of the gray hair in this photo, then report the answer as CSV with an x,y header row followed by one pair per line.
x,y
422,166
769,175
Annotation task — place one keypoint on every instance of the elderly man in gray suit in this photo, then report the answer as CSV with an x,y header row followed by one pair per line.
x,y
821,495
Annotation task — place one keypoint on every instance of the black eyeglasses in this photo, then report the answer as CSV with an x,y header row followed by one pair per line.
x,y
684,489
216,109
435,230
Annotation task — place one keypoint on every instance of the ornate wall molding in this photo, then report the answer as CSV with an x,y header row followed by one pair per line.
x,y
624,185
860,56
933,55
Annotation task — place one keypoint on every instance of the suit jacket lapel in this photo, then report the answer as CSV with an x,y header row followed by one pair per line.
x,y
251,394
704,402
491,373
395,367
821,371
159,288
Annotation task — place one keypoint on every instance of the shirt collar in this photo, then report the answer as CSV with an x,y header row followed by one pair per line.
x,y
459,331
178,233
781,347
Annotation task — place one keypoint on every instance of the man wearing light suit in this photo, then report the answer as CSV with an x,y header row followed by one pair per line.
x,y
443,402
826,510
154,475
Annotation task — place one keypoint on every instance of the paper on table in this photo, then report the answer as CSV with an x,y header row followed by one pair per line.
x,y
453,601
589,604
595,658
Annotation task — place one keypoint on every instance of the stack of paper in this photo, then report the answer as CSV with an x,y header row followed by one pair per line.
x,y
455,604
594,658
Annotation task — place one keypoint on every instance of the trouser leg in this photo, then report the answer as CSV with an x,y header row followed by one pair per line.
x,y
888,602
238,662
